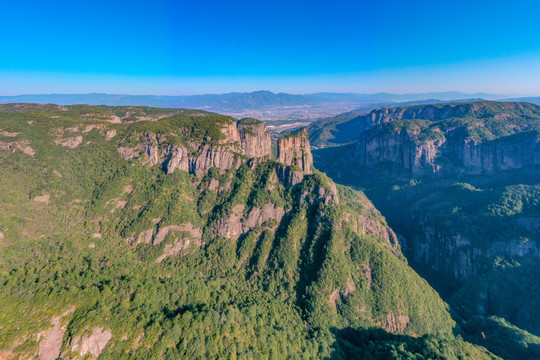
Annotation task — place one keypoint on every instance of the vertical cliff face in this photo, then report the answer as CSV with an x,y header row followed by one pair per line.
x,y
428,151
399,148
451,254
294,150
503,154
459,254
230,132
254,138
196,157
248,137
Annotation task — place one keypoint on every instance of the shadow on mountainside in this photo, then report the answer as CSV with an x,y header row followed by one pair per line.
x,y
377,344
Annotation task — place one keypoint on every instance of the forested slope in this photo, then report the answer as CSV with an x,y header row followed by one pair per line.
x,y
151,233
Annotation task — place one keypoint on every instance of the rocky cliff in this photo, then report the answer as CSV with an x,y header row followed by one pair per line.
x,y
238,142
448,154
254,137
247,137
457,229
294,150
467,139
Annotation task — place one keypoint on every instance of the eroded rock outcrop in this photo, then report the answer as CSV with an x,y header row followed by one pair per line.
x,y
289,177
196,159
22,145
231,226
230,132
50,341
194,232
399,148
180,243
294,150
72,142
238,223
255,138
396,324
457,255
342,293
91,344
450,254
320,194
250,138
258,216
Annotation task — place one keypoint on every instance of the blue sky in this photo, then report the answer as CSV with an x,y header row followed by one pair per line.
x,y
186,47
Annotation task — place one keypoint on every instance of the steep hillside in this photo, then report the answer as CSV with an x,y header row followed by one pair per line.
x,y
146,233
460,183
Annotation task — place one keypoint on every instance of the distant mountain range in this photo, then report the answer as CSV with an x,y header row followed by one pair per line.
x,y
234,101
264,105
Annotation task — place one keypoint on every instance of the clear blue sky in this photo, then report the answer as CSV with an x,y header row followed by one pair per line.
x,y
198,46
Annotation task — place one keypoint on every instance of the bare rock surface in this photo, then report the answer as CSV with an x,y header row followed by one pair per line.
x,y
50,342
194,158
231,226
288,176
342,293
110,134
22,145
180,243
236,224
247,137
145,237
71,143
449,150
129,153
43,199
230,131
50,345
258,217
455,254
396,324
194,232
91,344
294,150
8,134
322,194
255,138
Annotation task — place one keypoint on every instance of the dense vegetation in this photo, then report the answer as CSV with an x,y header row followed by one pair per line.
x,y
485,228
72,215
